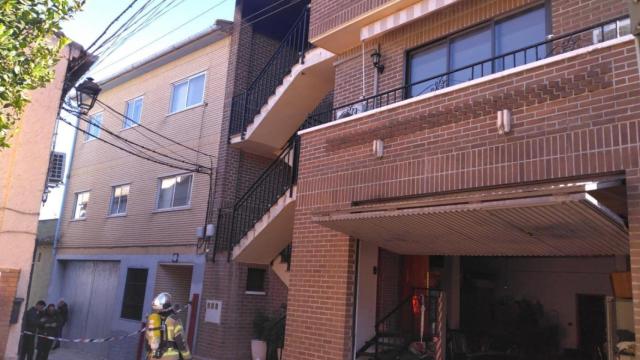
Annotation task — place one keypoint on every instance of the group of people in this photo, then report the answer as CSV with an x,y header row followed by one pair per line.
x,y
45,320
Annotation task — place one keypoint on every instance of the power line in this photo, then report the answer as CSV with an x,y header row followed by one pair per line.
x,y
80,116
111,24
130,152
151,130
163,35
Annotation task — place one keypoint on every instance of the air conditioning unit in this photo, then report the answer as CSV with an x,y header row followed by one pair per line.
x,y
56,168
351,110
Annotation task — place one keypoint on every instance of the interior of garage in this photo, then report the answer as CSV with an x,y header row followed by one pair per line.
x,y
538,271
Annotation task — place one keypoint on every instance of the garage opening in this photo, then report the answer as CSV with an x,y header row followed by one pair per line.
x,y
522,272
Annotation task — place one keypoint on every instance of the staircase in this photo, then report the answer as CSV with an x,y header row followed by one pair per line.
x,y
399,328
288,88
262,220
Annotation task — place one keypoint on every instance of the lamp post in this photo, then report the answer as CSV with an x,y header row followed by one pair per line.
x,y
86,95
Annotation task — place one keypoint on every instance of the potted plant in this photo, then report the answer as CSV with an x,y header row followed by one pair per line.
x,y
259,343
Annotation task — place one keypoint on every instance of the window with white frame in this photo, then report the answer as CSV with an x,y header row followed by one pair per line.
x,y
133,112
613,30
93,129
80,208
174,191
187,93
119,199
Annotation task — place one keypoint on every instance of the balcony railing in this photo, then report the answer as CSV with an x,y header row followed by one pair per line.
x,y
554,45
246,105
275,181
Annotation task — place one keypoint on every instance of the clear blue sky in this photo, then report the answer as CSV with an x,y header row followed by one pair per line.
x,y
96,15
88,24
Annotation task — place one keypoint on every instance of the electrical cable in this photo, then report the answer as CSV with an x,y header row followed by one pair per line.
x,y
129,142
131,152
151,130
124,57
111,24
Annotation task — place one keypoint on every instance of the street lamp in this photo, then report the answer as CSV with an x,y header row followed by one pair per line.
x,y
86,95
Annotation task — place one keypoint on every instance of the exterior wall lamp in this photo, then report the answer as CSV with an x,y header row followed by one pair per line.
x,y
86,95
375,58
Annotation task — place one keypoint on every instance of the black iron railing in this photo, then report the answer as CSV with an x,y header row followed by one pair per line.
x,y
402,326
247,105
554,45
275,181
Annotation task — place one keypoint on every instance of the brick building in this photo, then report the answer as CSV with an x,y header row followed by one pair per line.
x,y
23,177
128,227
477,162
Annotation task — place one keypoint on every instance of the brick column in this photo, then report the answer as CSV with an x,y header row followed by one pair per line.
x,y
321,293
8,286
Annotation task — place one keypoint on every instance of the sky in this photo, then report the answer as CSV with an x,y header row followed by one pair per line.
x,y
187,18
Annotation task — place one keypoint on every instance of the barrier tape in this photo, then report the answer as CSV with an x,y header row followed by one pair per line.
x,y
98,340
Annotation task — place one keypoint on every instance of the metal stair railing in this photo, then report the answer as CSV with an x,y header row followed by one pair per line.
x,y
273,183
246,105
395,331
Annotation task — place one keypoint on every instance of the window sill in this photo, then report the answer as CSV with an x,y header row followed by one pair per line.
x,y
261,293
116,216
185,109
78,219
180,208
130,127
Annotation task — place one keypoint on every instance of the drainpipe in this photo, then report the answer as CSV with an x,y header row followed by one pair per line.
x,y
53,283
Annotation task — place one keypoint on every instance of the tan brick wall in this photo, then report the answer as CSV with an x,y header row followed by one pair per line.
x,y
8,287
578,116
328,14
98,166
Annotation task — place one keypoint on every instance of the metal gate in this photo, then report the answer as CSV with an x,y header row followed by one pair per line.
x,y
89,288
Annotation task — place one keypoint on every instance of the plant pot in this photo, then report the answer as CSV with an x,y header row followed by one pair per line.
x,y
258,350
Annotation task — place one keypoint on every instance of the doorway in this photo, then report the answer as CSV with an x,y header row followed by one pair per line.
x,y
592,326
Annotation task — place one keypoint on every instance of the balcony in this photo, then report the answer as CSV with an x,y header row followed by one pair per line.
x,y
262,220
539,54
288,88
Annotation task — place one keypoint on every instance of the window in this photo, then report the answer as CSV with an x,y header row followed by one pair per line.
x,y
187,93
133,112
174,192
470,52
93,129
119,197
611,31
134,290
80,208
255,281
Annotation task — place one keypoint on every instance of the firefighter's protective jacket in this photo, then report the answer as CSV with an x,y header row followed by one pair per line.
x,y
174,346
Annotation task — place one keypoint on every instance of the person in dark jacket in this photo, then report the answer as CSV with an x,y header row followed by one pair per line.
x,y
63,313
30,323
48,327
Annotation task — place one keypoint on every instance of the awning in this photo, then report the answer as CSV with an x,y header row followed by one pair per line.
x,y
561,219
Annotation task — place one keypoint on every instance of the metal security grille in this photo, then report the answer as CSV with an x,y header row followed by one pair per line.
x,y
56,168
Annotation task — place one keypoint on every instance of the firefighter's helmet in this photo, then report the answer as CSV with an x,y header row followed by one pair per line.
x,y
162,302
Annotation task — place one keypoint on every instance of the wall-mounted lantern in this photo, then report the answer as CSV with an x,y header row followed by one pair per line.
x,y
375,59
86,95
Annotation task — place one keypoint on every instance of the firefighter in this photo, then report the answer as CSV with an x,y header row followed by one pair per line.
x,y
165,335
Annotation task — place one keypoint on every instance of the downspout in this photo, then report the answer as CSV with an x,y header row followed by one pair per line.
x,y
56,237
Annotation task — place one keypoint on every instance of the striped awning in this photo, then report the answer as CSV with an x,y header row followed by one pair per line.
x,y
552,220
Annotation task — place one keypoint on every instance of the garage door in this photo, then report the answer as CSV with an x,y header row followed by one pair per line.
x,y
88,288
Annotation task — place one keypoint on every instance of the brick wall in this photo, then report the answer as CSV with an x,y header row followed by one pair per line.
x,y
8,286
231,339
328,14
463,14
577,116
